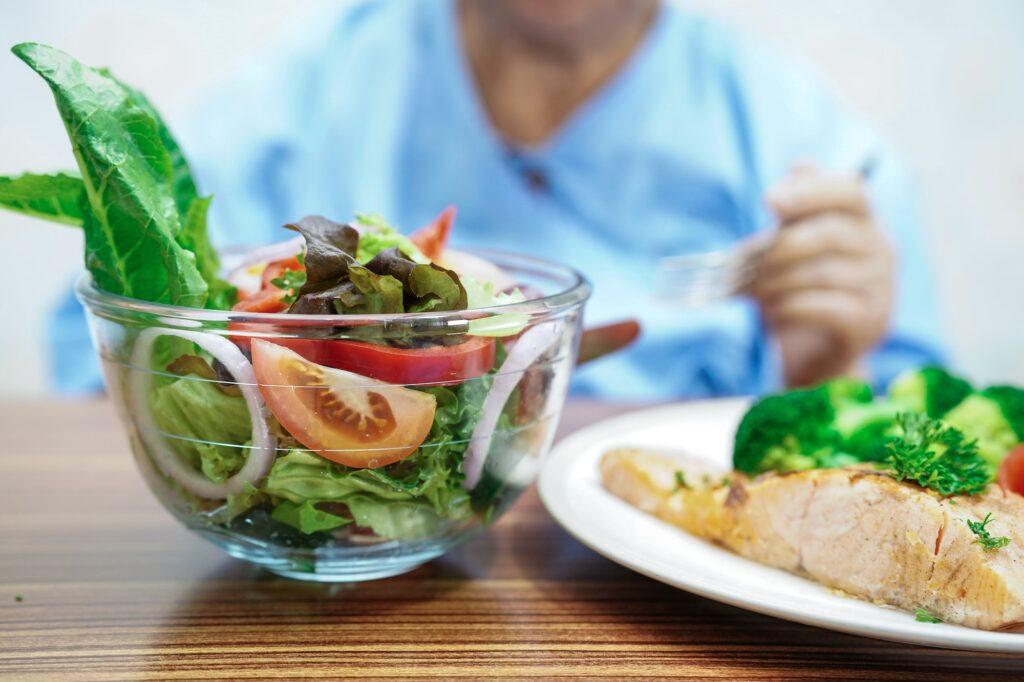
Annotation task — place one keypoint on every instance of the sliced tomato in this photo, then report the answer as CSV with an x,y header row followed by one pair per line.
x,y
1011,471
437,365
472,358
432,238
268,300
343,417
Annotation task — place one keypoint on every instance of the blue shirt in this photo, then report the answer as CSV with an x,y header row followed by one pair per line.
x,y
374,110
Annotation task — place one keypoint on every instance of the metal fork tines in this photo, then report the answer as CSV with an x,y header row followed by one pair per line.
x,y
702,278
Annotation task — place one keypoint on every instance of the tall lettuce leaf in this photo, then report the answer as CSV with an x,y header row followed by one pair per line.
x,y
127,174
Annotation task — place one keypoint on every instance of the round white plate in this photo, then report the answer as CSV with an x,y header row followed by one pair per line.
x,y
571,489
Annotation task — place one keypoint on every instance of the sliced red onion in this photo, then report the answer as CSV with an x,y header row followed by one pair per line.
x,y
263,447
246,278
524,353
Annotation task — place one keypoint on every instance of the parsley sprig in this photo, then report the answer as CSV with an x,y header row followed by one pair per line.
x,y
681,483
925,616
936,456
985,538
290,281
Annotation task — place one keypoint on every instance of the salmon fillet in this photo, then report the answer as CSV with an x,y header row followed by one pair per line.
x,y
855,529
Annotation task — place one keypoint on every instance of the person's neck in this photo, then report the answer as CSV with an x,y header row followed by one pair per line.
x,y
529,92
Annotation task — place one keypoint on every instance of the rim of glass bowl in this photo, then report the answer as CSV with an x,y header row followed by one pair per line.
x,y
577,291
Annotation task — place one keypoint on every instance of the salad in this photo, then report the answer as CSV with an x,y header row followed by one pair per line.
x,y
368,386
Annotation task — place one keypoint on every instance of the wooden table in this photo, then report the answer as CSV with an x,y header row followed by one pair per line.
x,y
110,587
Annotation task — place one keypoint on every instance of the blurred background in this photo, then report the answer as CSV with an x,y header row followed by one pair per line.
x,y
941,79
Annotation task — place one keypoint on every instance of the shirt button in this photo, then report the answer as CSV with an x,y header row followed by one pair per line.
x,y
536,179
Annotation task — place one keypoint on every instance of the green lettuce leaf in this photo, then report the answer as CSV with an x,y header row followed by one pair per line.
x,y
57,197
483,295
426,286
393,520
306,517
209,429
183,186
369,293
128,174
377,235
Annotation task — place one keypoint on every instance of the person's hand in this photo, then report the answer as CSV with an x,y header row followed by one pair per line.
x,y
825,287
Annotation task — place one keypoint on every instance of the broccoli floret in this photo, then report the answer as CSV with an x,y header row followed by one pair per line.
x,y
929,390
785,432
844,390
1011,403
995,417
865,429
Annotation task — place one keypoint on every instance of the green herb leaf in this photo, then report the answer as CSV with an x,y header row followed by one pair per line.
x,y
57,197
681,483
290,281
924,616
131,245
985,538
936,456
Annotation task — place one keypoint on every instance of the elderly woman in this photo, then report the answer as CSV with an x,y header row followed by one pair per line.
x,y
603,133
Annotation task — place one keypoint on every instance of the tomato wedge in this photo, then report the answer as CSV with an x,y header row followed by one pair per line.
x,y
1011,471
343,417
432,238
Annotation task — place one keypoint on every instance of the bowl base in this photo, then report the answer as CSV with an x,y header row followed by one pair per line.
x,y
304,565
347,576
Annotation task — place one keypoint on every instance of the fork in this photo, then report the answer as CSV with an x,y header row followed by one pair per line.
x,y
696,279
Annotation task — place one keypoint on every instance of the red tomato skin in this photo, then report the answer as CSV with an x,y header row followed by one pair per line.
x,y
1011,471
438,365
432,238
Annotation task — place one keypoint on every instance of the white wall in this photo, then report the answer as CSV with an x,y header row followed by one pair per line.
x,y
943,78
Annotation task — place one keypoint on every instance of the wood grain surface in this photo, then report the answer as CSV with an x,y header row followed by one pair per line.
x,y
112,588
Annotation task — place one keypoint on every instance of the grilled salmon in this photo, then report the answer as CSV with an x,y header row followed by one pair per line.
x,y
855,529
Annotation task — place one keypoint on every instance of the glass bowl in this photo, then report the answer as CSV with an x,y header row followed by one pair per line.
x,y
268,434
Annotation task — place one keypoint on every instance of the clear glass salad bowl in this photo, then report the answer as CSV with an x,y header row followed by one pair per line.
x,y
341,447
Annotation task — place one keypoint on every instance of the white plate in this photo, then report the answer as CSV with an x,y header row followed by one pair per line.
x,y
571,490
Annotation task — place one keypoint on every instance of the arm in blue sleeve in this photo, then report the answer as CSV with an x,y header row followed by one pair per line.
x,y
789,114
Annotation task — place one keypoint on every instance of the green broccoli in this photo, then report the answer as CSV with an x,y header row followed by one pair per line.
x,y
785,432
864,429
863,424
995,417
831,425
845,390
930,390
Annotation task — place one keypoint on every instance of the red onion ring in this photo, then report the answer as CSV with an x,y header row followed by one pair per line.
x,y
263,448
524,353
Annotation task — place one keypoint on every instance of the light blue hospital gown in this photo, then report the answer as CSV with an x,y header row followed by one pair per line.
x,y
373,109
